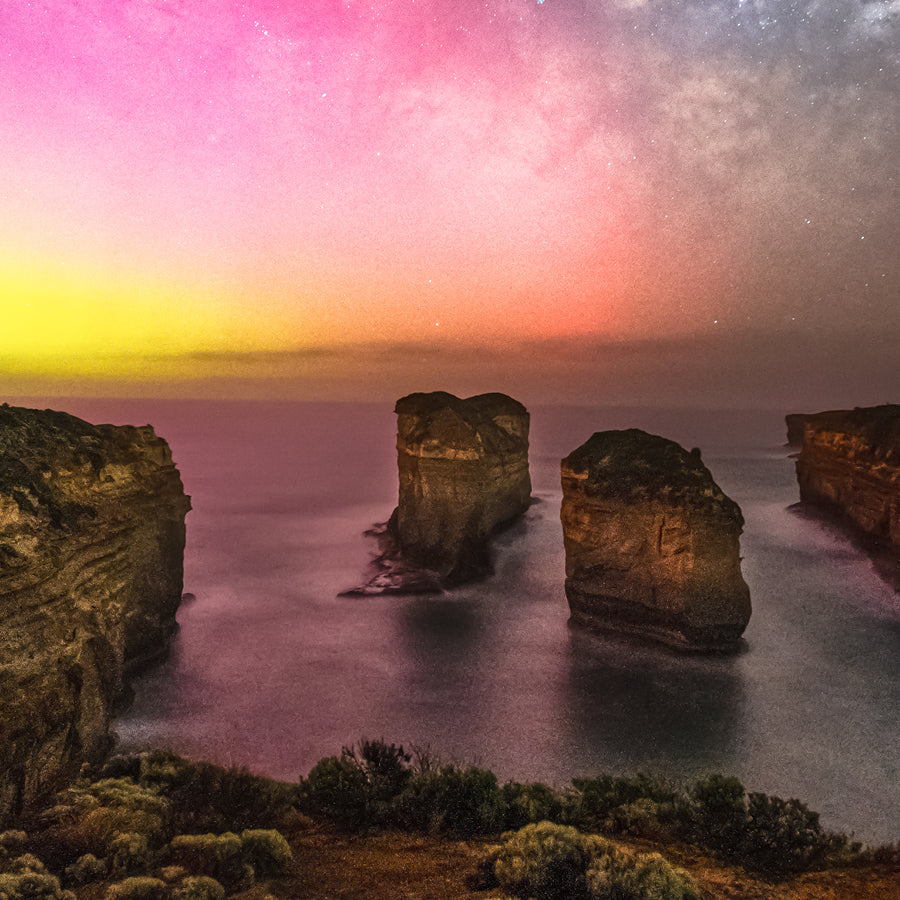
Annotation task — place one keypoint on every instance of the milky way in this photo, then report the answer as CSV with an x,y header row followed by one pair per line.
x,y
285,176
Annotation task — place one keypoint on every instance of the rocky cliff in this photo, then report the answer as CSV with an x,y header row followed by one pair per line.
x,y
463,470
91,566
849,464
652,543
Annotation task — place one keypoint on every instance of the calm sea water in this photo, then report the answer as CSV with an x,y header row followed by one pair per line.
x,y
273,670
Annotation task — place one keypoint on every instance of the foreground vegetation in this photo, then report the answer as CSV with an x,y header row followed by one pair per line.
x,y
158,827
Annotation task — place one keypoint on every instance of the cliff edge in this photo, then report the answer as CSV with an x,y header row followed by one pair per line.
x,y
92,542
849,464
652,543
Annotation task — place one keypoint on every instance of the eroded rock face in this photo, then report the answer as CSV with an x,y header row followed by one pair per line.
x,y
463,468
796,425
652,543
91,568
850,464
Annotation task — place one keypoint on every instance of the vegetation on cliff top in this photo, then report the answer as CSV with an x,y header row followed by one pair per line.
x,y
158,827
633,464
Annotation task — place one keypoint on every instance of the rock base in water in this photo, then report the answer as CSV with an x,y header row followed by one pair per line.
x,y
652,543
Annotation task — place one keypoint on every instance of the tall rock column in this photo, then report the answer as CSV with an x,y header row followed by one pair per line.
x,y
652,543
92,542
463,470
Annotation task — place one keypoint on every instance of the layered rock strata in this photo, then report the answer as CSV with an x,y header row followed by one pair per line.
x,y
849,464
92,542
652,544
463,472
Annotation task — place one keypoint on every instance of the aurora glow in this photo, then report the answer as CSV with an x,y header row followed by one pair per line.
x,y
267,177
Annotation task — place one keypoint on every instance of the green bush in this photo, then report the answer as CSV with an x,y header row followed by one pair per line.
x,y
208,798
198,887
266,851
138,888
545,861
617,875
129,853
451,800
758,830
532,802
28,879
86,868
338,789
595,801
219,856
13,840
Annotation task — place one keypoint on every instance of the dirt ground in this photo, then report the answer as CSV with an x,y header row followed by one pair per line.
x,y
392,866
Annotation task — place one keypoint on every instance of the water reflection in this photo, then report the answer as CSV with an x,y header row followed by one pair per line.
x,y
633,705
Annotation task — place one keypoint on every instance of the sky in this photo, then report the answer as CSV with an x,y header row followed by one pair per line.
x,y
586,200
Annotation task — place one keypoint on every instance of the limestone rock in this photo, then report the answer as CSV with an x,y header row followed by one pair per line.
x,y
652,543
849,464
91,567
463,471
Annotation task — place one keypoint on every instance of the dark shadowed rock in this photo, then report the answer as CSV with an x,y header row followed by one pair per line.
x,y
795,423
463,471
652,543
91,567
849,465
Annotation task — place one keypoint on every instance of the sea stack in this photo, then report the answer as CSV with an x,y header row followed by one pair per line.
x,y
92,542
652,543
849,465
463,470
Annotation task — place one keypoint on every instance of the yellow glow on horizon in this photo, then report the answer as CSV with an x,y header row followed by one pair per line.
x,y
62,318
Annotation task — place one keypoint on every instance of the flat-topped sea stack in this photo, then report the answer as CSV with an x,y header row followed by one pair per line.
x,y
652,543
849,465
92,542
463,468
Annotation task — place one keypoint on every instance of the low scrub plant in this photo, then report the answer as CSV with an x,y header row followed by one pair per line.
x,y
85,869
198,887
139,887
266,851
546,861
27,878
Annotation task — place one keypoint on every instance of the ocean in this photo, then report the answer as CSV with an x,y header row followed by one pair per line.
x,y
272,669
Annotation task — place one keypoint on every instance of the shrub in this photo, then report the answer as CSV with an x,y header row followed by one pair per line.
x,y
13,840
208,798
547,861
337,788
595,800
619,876
129,853
718,813
138,888
386,767
29,885
199,887
450,800
266,851
557,862
216,855
526,803
86,868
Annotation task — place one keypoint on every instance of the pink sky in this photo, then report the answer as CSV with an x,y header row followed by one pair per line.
x,y
283,178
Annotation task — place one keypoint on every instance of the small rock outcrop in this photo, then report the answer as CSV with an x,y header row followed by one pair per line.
x,y
652,543
849,465
92,542
463,471
796,425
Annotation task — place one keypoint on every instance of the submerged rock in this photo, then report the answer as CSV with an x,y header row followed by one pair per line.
x,y
849,465
463,472
652,543
91,568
